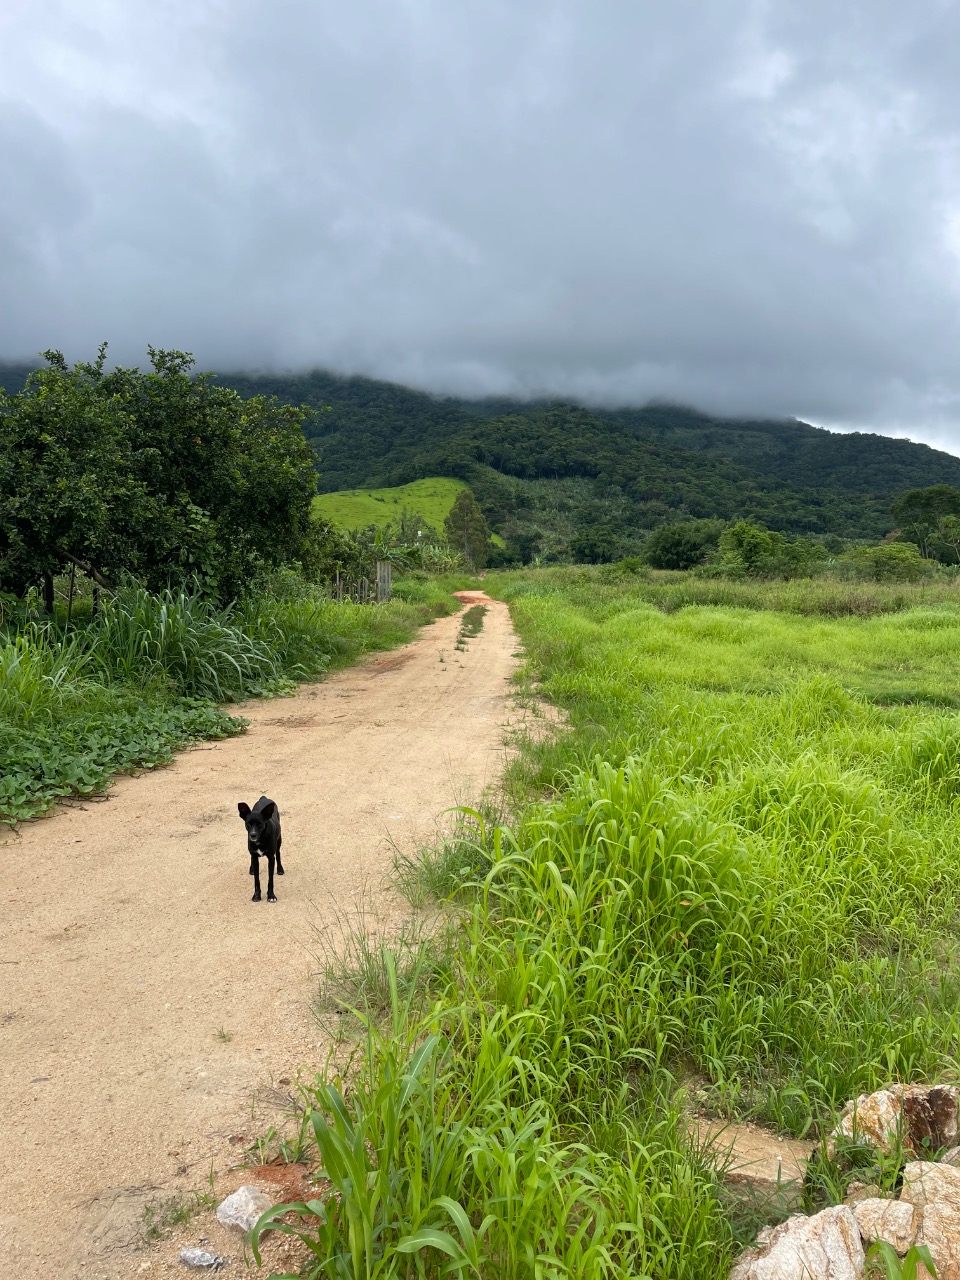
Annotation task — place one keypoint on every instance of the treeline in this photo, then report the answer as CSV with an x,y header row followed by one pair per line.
x,y
158,557
171,475
929,535
555,470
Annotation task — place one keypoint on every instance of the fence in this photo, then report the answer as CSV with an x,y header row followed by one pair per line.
x,y
375,590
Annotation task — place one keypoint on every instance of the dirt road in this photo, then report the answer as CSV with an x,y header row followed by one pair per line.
x,y
144,999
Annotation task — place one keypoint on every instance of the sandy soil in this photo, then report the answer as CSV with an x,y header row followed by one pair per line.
x,y
128,940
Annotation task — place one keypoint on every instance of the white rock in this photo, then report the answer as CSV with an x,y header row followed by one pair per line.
x,y
935,1190
828,1244
200,1260
243,1208
895,1221
857,1191
925,1117
951,1157
875,1118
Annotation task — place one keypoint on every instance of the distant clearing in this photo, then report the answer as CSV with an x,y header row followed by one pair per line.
x,y
355,508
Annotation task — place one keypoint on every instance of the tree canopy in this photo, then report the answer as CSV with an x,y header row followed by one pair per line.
x,y
467,531
657,464
928,518
159,473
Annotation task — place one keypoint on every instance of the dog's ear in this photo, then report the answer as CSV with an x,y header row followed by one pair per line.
x,y
268,810
243,810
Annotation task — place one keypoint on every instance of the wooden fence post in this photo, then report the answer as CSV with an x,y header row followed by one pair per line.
x,y
384,581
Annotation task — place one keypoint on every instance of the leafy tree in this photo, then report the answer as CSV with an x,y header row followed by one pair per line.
x,y
920,512
682,544
329,550
68,488
526,545
160,474
467,530
891,562
946,544
594,544
747,549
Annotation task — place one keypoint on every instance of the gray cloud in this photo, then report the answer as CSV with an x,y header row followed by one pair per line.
x,y
751,207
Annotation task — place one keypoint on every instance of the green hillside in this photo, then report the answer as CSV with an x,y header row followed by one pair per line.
x,y
356,508
548,471
552,467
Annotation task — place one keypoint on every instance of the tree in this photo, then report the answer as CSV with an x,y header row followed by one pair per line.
x,y
159,474
594,544
682,544
68,488
947,541
747,549
892,562
467,530
920,511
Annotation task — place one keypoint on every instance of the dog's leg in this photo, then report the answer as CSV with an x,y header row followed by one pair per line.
x,y
271,896
255,872
279,863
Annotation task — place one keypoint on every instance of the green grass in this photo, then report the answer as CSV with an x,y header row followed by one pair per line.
x,y
161,1216
471,624
144,679
735,878
669,591
357,508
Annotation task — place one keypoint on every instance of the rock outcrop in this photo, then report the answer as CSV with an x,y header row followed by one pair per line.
x,y
924,1119
934,1189
894,1221
828,1244
911,1118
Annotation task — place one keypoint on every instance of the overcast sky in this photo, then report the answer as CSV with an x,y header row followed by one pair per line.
x,y
744,205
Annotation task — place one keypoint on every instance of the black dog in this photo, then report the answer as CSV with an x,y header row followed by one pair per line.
x,y
263,841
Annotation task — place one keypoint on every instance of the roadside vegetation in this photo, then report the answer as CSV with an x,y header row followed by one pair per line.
x,y
158,559
731,885
149,674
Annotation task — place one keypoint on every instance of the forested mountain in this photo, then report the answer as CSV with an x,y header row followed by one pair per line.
x,y
13,376
642,465
534,465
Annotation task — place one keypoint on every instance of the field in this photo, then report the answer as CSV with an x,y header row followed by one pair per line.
x,y
356,508
732,885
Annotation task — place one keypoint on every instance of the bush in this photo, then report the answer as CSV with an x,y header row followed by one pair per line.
x,y
748,550
891,562
683,544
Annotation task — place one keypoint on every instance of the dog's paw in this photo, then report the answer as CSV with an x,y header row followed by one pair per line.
x,y
255,898
271,897
279,871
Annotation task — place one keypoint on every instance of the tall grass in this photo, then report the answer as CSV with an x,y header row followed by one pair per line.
x,y
438,1167
129,687
181,639
734,881
670,591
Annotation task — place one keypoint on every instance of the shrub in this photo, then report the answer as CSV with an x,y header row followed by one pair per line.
x,y
891,562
